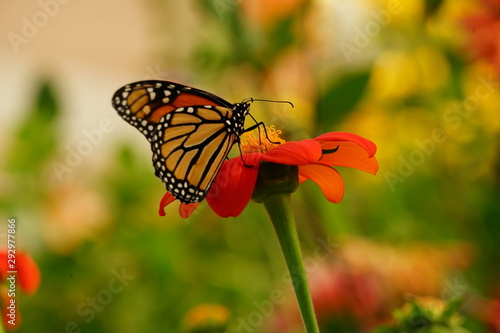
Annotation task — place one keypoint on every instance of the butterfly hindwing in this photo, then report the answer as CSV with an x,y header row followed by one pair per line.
x,y
189,147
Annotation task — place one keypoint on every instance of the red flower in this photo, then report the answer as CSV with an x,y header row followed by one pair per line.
x,y
493,319
27,278
28,274
235,183
484,28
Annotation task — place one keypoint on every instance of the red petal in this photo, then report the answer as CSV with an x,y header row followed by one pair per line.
x,y
367,145
3,264
328,179
233,186
166,200
294,153
349,155
28,273
185,210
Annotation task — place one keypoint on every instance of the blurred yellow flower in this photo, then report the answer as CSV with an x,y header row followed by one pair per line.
x,y
206,318
408,12
446,23
433,68
398,74
397,134
484,109
434,306
394,75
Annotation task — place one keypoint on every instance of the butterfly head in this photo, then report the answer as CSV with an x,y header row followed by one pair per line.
x,y
240,111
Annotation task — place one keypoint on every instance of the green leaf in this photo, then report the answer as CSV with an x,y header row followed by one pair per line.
x,y
48,106
457,65
432,6
341,98
452,308
383,329
37,136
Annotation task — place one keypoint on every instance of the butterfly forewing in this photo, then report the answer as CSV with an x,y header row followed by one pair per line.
x,y
142,104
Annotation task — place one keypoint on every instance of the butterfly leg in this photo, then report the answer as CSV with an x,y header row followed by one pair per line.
x,y
241,155
258,125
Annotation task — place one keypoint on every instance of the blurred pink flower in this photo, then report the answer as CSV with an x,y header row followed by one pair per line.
x,y
363,281
338,291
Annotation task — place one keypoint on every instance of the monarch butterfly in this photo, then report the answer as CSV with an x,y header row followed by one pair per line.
x,y
191,132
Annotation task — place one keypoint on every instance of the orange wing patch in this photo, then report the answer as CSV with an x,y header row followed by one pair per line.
x,y
144,104
191,146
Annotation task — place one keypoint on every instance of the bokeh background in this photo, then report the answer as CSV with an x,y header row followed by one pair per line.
x,y
419,78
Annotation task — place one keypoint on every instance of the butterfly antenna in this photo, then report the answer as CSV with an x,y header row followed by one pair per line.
x,y
259,124
251,99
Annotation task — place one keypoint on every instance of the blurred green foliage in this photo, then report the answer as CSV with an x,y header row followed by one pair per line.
x,y
432,317
85,231
343,95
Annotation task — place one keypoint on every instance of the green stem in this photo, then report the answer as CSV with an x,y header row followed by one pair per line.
x,y
278,207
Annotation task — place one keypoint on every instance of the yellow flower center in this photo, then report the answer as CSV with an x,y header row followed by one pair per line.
x,y
262,142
